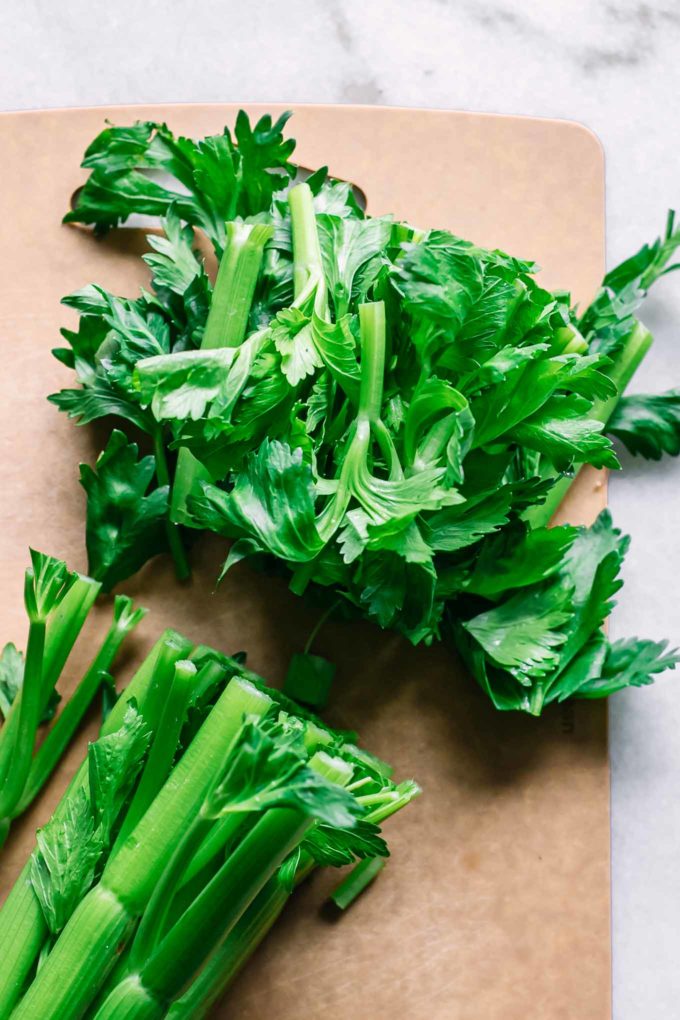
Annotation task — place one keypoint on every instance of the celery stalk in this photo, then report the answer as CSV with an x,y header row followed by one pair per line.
x,y
234,290
22,926
159,762
70,979
58,738
226,326
621,372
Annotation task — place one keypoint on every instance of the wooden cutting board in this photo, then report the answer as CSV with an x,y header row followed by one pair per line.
x,y
495,905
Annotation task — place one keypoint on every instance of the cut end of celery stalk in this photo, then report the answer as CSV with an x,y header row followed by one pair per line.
x,y
309,679
335,770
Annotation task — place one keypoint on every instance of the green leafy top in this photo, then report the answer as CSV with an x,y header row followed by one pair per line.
x,y
11,676
114,763
263,770
374,406
64,863
610,318
47,582
542,642
72,844
125,523
648,424
212,180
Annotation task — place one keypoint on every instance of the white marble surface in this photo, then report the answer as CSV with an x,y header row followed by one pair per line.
x,y
612,65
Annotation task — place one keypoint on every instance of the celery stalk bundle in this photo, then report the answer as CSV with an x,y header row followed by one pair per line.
x,y
57,605
205,800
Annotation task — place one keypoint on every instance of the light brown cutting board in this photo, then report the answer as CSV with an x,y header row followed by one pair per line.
x,y
495,905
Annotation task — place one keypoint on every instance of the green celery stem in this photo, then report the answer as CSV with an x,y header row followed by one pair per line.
x,y
130,1001
372,330
154,919
217,909
372,327
22,935
240,902
536,699
164,747
69,719
624,367
14,779
189,471
373,340
22,925
63,627
160,894
357,881
160,677
226,326
130,877
307,260
220,835
99,925
116,975
179,556
232,954
59,737
252,926
138,865
235,285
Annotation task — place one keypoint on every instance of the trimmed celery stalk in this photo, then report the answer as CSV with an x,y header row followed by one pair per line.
x,y
70,979
23,930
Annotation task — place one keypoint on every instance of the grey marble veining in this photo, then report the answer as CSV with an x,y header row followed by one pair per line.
x,y
613,66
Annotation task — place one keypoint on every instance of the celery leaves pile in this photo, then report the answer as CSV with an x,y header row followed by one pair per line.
x,y
392,414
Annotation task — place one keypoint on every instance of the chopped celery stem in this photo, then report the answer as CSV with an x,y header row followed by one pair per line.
x,y
217,909
359,878
164,747
234,289
179,556
226,326
59,737
307,262
624,366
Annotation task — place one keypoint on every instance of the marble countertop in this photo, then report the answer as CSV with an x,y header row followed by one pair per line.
x,y
611,65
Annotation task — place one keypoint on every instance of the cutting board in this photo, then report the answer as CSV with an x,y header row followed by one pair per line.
x,y
495,904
